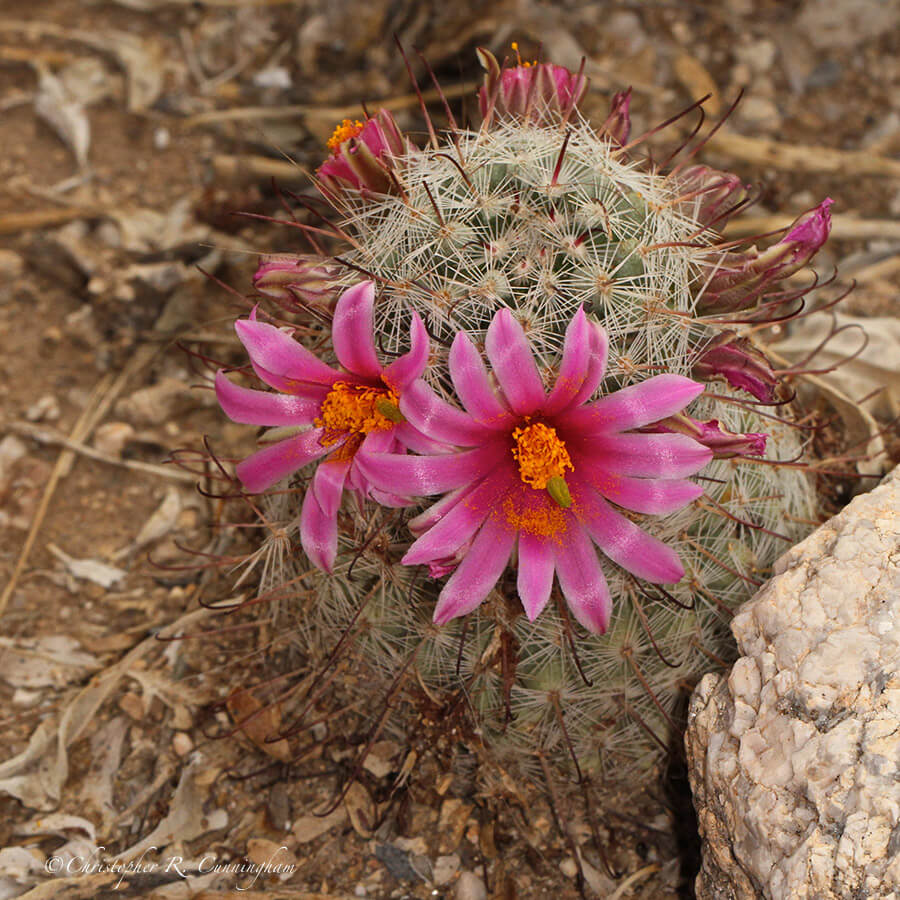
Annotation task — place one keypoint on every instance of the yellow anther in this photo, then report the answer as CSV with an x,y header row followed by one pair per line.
x,y
541,455
355,409
344,132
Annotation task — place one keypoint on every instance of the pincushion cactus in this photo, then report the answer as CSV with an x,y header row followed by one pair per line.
x,y
615,322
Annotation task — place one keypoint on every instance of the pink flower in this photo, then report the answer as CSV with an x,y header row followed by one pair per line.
x,y
711,194
740,363
540,473
298,280
617,126
362,155
742,278
537,90
724,444
345,414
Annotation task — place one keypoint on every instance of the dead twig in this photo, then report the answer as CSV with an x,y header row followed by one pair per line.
x,y
843,227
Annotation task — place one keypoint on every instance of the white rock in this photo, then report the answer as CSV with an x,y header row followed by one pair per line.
x,y
794,758
470,887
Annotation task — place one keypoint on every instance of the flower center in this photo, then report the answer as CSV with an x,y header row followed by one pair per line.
x,y
543,460
355,410
344,132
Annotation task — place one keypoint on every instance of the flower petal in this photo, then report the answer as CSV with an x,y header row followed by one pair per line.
x,y
262,408
478,572
644,455
651,496
626,544
278,355
513,363
268,466
419,524
596,365
459,523
438,420
585,342
473,386
582,581
404,370
351,330
421,476
637,405
416,441
318,516
535,579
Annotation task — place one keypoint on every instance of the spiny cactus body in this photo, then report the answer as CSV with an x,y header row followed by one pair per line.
x,y
540,213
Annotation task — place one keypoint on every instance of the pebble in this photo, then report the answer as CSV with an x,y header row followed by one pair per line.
x,y
111,438
45,409
133,705
470,887
182,743
11,451
452,823
155,404
445,867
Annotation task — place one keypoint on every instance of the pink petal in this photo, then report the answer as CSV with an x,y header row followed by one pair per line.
x,y
535,580
262,408
513,363
268,466
478,572
318,516
416,441
635,406
351,330
404,370
438,420
458,524
431,516
585,342
651,496
626,544
279,355
421,476
473,387
643,455
582,581
596,365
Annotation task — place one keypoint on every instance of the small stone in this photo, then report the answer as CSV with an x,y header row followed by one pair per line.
x,y
182,743
44,409
155,404
11,265
569,867
11,451
452,823
470,887
445,867
132,705
308,828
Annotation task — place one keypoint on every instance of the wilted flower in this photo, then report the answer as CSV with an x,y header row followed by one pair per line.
x,y
740,363
528,90
711,194
363,155
344,414
539,472
742,278
305,279
724,444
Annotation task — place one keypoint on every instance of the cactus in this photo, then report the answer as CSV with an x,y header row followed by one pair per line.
x,y
541,213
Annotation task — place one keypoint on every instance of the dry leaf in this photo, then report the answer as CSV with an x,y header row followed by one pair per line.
x,y
308,828
64,114
89,569
361,809
259,722
58,824
50,661
162,521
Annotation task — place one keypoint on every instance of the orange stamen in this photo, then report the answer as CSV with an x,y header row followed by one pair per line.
x,y
353,410
344,132
541,454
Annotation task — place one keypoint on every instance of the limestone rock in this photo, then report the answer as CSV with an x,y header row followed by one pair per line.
x,y
795,756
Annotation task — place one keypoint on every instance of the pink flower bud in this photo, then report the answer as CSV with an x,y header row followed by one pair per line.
x,y
724,444
742,278
305,279
710,194
539,91
363,154
617,126
742,365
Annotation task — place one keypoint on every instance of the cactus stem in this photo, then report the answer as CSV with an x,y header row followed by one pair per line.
x,y
628,653
646,625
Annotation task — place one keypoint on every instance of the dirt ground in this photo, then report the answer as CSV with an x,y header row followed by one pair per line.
x,y
132,132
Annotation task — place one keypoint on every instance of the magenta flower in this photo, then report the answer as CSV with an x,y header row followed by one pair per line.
x,y
538,472
740,363
362,155
617,126
346,414
298,280
742,278
713,195
724,444
528,89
